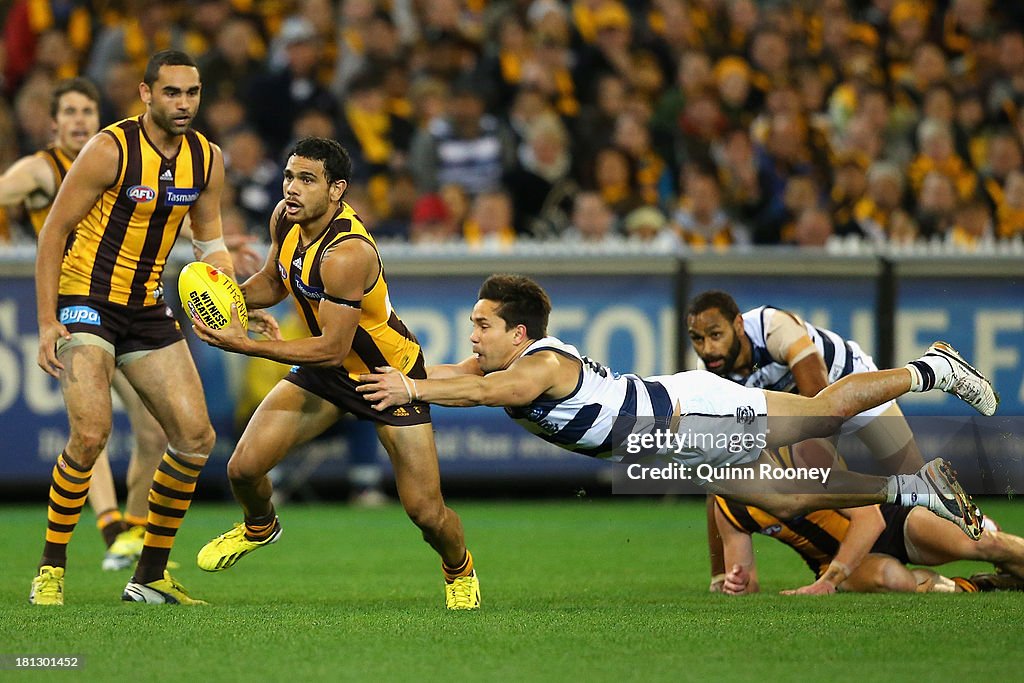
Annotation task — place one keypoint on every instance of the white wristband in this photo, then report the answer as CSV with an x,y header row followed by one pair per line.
x,y
411,390
208,247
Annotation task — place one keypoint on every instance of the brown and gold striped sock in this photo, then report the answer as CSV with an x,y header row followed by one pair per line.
x,y
132,520
261,528
464,569
965,585
174,482
69,488
111,523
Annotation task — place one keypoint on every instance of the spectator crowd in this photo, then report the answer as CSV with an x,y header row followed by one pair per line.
x,y
695,123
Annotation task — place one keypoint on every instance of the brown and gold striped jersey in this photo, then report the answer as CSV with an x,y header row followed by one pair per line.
x,y
121,246
815,536
381,338
39,208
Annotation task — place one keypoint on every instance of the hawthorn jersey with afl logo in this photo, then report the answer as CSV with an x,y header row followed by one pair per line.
x,y
121,246
381,337
38,203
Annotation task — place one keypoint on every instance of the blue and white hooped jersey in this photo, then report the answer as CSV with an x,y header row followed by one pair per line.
x,y
583,421
842,357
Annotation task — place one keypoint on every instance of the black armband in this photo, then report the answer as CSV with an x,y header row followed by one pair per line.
x,y
343,302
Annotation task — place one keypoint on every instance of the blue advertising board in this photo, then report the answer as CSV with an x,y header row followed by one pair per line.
x,y
625,319
982,317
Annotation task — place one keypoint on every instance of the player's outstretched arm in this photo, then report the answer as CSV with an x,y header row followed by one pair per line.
x,y
95,169
25,176
716,554
866,525
470,366
738,549
207,229
519,385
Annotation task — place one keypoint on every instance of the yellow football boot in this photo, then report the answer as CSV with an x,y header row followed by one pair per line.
x,y
463,592
231,546
48,587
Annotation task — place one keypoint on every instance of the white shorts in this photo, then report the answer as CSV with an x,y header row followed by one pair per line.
x,y
720,422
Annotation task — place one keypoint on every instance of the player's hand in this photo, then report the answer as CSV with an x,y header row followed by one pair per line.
x,y
385,388
819,587
261,322
49,333
246,259
737,580
232,337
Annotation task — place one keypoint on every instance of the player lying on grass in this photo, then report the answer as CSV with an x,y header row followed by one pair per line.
x,y
573,402
866,550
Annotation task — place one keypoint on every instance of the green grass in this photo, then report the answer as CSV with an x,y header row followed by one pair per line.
x,y
589,590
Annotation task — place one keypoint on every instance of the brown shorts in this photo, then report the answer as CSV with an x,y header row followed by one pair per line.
x,y
892,540
335,386
126,329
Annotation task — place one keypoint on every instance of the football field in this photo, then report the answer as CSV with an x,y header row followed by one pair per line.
x,y
581,590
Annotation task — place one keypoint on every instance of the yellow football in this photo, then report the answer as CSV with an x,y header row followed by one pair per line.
x,y
207,293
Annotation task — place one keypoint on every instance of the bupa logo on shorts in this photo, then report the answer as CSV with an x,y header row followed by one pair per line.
x,y
772,530
181,196
141,193
745,415
79,314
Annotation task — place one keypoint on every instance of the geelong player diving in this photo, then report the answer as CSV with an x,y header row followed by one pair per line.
x,y
569,400
323,255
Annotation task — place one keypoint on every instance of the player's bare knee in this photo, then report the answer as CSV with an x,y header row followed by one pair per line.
x,y
87,443
990,547
426,514
243,469
895,578
199,440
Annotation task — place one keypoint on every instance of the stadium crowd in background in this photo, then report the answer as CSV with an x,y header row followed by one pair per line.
x,y
699,123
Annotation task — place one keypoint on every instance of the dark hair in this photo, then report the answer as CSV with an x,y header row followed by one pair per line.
x,y
337,162
715,299
166,58
521,301
79,85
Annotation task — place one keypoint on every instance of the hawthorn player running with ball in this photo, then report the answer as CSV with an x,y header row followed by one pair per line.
x,y
323,256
